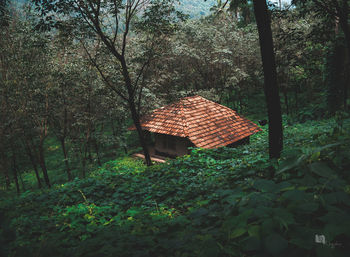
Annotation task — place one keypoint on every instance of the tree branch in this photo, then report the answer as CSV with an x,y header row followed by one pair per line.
x,y
93,61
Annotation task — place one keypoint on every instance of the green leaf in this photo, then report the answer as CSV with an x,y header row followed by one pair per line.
x,y
199,212
265,185
294,195
210,249
252,243
303,237
315,156
308,207
253,230
321,169
237,232
290,163
285,186
284,217
275,244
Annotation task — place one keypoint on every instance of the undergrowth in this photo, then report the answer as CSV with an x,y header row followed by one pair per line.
x,y
222,202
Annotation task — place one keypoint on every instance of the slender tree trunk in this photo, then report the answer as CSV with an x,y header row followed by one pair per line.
x,y
34,163
125,149
296,96
5,169
240,102
128,84
137,124
65,155
270,78
345,27
134,113
22,182
84,167
84,155
117,144
14,169
43,164
286,100
343,20
113,129
63,138
97,152
345,89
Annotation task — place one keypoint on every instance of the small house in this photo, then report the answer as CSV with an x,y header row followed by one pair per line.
x,y
195,122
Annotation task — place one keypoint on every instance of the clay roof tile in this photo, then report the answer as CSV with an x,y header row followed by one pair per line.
x,y
206,123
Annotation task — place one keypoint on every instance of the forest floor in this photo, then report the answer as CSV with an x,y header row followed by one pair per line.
x,y
221,202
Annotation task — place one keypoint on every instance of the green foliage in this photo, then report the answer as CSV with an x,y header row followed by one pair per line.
x,y
221,202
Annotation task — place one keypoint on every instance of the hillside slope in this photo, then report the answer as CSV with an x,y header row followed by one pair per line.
x,y
223,202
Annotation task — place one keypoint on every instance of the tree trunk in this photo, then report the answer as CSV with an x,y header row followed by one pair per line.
x,y
22,182
134,113
296,98
14,169
285,94
42,163
34,163
343,20
97,152
89,151
270,78
137,124
345,89
65,155
63,138
84,155
4,169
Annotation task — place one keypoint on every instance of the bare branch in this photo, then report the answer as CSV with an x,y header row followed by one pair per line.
x,y
80,9
127,23
144,66
105,79
225,4
116,21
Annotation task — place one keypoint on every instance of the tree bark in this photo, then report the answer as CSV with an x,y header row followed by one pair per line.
x,y
270,78
343,20
97,152
4,169
134,112
43,164
65,155
296,98
345,90
22,181
89,151
136,119
120,56
34,162
14,169
84,155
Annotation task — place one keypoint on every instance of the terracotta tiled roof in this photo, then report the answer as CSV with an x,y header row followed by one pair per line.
x,y
206,123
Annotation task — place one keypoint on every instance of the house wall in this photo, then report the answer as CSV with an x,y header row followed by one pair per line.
x,y
244,141
170,145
